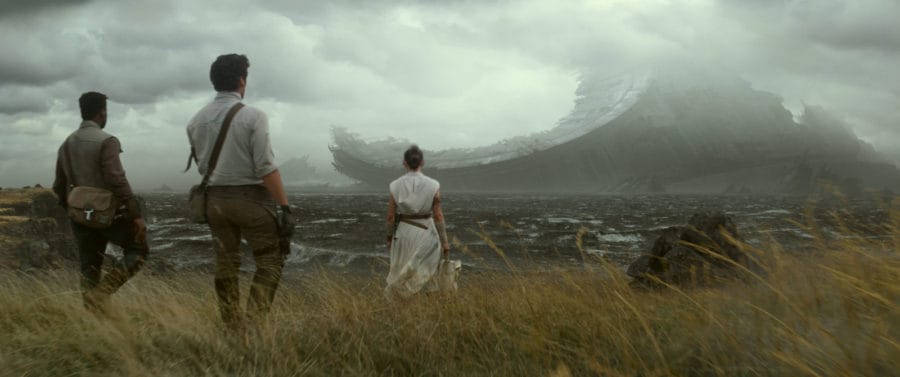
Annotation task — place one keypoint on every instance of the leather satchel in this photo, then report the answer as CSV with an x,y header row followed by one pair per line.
x,y
197,197
92,207
197,203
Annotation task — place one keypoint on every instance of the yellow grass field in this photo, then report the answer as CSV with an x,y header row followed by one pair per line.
x,y
832,314
19,196
829,311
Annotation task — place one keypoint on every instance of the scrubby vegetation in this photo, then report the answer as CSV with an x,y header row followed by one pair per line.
x,y
833,310
834,313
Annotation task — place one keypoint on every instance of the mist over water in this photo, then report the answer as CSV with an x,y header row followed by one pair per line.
x,y
344,232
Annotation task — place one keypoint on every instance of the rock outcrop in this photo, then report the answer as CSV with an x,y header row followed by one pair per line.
x,y
34,231
707,251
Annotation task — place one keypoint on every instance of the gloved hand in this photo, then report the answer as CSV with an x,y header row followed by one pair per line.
x,y
285,221
139,230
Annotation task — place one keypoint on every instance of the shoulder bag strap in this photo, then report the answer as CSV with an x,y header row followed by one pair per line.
x,y
191,158
70,174
214,157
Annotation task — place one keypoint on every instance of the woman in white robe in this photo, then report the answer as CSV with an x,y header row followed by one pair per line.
x,y
416,234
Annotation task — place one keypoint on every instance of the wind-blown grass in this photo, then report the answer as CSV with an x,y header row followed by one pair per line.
x,y
832,314
829,311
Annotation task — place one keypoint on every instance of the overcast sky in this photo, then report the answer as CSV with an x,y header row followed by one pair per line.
x,y
441,73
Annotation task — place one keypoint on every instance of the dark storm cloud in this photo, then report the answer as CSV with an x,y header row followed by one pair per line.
x,y
20,8
314,12
840,54
835,53
23,100
22,72
850,25
37,56
133,54
457,73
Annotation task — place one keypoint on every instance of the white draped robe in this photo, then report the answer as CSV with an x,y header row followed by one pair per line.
x,y
415,252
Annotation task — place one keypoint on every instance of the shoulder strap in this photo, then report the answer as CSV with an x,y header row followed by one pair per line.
x,y
70,174
214,157
191,158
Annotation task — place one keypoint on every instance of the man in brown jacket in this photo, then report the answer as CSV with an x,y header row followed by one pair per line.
x,y
93,157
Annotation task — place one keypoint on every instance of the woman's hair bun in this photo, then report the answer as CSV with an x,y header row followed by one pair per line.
x,y
413,157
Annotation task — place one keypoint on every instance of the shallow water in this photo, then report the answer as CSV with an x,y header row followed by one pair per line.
x,y
491,231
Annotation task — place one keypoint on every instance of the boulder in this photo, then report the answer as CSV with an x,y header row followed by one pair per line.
x,y
35,234
707,250
685,266
654,262
666,241
46,205
37,255
714,231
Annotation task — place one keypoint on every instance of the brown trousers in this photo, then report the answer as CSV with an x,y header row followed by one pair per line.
x,y
247,212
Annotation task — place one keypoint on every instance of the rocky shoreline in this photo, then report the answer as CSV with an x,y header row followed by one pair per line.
x,y
35,235
698,241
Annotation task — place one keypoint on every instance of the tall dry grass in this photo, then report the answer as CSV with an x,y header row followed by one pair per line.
x,y
831,311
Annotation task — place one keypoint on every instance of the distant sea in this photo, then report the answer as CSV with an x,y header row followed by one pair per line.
x,y
345,232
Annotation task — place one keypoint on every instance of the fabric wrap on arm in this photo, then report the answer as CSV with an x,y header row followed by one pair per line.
x,y
391,224
389,230
442,233
439,220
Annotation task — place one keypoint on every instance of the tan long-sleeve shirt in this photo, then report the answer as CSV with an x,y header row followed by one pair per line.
x,y
246,155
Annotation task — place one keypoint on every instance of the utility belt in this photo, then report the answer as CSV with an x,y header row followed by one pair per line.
x,y
408,219
256,193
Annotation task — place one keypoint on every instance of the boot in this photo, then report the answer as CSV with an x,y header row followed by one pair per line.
x,y
95,302
112,281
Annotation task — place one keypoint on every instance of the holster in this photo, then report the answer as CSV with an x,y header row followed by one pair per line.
x,y
284,245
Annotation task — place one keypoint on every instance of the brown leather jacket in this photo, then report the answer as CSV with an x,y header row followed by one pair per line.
x,y
95,162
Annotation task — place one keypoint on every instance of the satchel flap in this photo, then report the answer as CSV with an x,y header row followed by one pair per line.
x,y
90,198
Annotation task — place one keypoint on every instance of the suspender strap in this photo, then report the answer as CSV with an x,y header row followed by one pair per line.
x,y
70,174
214,157
191,158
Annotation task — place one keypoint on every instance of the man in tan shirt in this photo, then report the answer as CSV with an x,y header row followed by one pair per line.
x,y
246,194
